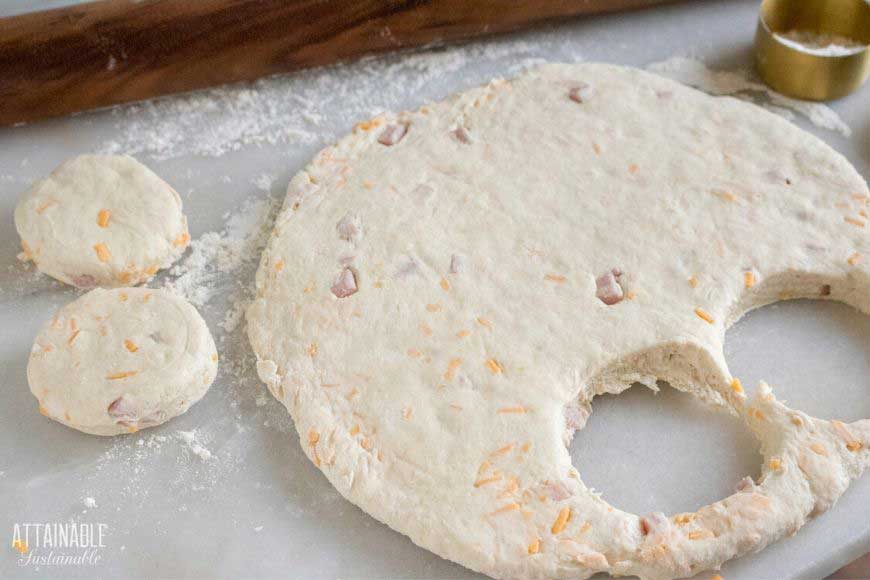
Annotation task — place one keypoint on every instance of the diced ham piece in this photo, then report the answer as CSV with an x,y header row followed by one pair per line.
x,y
607,287
557,490
392,134
575,417
407,266
746,484
461,135
123,409
345,284
349,228
580,93
83,281
654,523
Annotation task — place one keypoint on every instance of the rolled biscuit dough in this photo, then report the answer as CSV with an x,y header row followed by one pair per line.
x,y
446,290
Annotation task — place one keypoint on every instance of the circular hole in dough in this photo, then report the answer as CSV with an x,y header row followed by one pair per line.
x,y
699,459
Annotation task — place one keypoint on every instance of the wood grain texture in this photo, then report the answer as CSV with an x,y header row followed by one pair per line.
x,y
114,51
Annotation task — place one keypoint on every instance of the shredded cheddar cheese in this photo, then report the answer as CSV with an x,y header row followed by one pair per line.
x,y
561,520
703,315
494,366
506,508
484,481
121,375
181,240
748,279
502,450
102,251
451,368
103,218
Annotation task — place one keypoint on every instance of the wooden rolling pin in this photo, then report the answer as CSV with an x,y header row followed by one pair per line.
x,y
115,51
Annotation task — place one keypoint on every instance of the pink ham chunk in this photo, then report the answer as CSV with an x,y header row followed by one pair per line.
x,y
461,135
746,484
607,287
349,228
580,93
123,409
557,490
83,281
345,284
654,523
128,414
392,134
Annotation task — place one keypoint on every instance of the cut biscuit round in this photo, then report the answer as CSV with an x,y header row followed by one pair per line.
x,y
101,220
116,361
611,225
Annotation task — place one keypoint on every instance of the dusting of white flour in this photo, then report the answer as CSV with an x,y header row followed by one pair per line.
x,y
197,448
212,254
739,83
820,44
291,108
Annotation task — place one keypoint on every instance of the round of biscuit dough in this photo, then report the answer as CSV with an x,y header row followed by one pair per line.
x,y
116,361
446,291
101,220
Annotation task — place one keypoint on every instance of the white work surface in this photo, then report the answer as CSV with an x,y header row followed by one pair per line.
x,y
257,506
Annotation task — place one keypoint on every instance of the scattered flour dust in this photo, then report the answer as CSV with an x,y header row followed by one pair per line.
x,y
213,255
306,108
695,73
316,106
218,273
189,438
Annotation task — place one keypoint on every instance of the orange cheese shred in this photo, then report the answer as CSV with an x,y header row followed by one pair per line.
x,y
561,520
